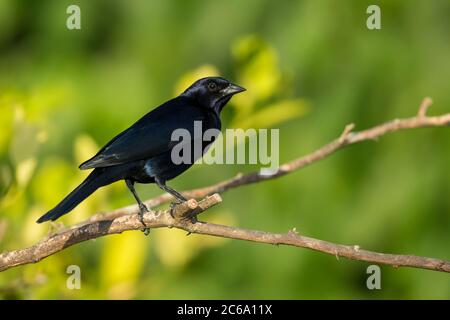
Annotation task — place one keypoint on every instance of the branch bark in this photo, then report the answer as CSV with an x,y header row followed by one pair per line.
x,y
127,218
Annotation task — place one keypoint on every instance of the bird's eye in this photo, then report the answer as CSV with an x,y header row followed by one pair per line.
x,y
212,86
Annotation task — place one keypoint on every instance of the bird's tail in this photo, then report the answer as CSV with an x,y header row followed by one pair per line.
x,y
94,181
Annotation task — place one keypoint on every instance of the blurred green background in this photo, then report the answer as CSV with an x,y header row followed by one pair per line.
x,y
310,68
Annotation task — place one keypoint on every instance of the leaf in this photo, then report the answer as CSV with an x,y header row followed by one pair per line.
x,y
31,233
190,77
274,114
84,148
6,124
258,69
45,98
24,171
6,177
24,142
122,260
52,182
176,250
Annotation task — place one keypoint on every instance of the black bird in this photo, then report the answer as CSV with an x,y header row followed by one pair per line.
x,y
142,153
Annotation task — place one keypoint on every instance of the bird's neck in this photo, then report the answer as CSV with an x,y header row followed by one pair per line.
x,y
218,106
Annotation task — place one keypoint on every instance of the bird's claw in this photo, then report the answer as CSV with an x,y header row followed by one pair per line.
x,y
172,207
192,218
142,210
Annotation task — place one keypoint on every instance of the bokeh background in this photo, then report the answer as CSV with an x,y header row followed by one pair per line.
x,y
310,67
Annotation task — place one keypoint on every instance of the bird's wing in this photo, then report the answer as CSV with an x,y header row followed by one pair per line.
x,y
149,136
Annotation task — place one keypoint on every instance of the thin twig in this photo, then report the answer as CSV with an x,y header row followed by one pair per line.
x,y
127,218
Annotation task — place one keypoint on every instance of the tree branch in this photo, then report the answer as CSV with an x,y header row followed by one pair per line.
x,y
347,138
127,218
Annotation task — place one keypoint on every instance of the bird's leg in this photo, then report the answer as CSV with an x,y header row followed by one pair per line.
x,y
176,194
142,207
163,186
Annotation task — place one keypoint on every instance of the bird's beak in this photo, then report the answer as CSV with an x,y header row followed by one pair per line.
x,y
232,89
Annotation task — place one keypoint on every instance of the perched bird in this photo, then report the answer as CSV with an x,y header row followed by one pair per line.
x,y
142,153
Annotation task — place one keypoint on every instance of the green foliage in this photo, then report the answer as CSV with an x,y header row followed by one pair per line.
x,y
258,70
310,68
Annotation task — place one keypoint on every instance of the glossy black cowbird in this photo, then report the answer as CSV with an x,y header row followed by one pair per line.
x,y
143,152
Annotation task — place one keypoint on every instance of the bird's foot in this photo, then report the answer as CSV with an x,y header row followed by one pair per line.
x,y
142,211
192,218
172,207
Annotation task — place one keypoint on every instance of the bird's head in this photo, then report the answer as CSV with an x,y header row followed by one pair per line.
x,y
212,92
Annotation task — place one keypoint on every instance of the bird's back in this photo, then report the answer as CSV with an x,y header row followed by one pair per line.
x,y
152,134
